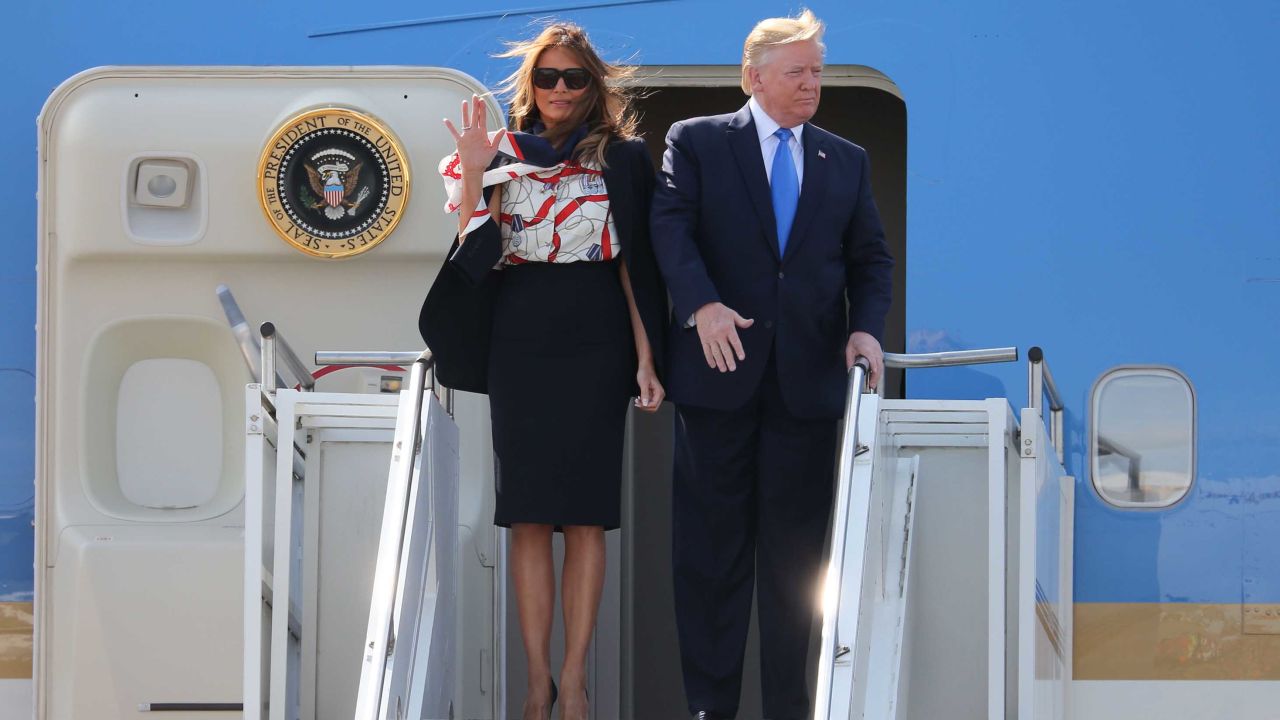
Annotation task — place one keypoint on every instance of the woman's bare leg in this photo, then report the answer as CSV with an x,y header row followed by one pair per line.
x,y
580,590
534,575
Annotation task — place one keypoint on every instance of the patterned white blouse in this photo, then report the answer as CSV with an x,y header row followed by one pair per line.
x,y
557,215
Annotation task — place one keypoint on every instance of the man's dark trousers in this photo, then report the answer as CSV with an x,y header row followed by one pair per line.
x,y
751,500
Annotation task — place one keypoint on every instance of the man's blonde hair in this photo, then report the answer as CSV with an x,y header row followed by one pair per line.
x,y
772,32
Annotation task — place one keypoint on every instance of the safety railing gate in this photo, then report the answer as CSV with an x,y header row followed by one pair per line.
x,y
865,662
846,635
315,564
1046,521
407,658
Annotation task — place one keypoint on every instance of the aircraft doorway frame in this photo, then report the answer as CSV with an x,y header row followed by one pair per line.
x,y
660,76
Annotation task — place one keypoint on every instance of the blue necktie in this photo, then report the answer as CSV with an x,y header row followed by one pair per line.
x,y
785,187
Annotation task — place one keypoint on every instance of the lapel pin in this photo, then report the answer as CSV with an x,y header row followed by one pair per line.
x,y
822,155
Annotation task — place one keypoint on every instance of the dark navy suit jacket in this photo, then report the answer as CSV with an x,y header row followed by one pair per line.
x,y
715,238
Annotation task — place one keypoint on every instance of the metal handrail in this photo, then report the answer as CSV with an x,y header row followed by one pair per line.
x,y
1039,382
380,637
1107,446
376,357
240,330
270,339
387,357
951,358
1039,386
840,526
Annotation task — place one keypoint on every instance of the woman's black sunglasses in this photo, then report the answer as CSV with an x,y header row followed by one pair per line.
x,y
574,78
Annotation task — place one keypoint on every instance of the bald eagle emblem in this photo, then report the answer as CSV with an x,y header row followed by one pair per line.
x,y
333,182
334,176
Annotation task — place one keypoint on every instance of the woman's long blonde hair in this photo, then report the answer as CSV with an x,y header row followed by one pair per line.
x,y
605,107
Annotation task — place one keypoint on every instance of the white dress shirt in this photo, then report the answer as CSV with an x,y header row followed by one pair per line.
x,y
765,129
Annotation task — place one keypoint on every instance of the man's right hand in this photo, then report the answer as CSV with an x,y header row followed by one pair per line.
x,y
718,328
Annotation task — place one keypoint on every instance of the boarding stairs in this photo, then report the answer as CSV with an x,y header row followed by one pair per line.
x,y
312,462
947,592
948,589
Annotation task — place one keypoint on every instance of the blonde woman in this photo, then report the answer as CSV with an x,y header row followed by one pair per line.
x,y
551,303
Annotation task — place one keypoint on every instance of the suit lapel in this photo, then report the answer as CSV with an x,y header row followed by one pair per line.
x,y
746,150
815,181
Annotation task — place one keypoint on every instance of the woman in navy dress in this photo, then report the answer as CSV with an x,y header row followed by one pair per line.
x,y
553,220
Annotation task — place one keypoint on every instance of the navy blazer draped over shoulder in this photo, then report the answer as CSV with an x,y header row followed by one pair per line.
x,y
457,314
716,240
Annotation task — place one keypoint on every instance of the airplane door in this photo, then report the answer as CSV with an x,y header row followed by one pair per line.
x,y
158,184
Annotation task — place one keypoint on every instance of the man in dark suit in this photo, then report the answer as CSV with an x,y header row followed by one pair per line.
x,y
772,250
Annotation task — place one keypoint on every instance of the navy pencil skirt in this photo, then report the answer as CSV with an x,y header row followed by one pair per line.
x,y
562,367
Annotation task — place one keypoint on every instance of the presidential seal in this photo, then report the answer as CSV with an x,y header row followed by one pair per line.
x,y
333,182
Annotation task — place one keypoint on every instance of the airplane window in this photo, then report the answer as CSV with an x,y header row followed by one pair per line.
x,y
1142,436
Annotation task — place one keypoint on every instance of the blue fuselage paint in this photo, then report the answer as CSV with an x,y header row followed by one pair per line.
x,y
1095,178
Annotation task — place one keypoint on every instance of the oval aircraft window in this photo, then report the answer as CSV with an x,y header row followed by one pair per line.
x,y
1142,436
